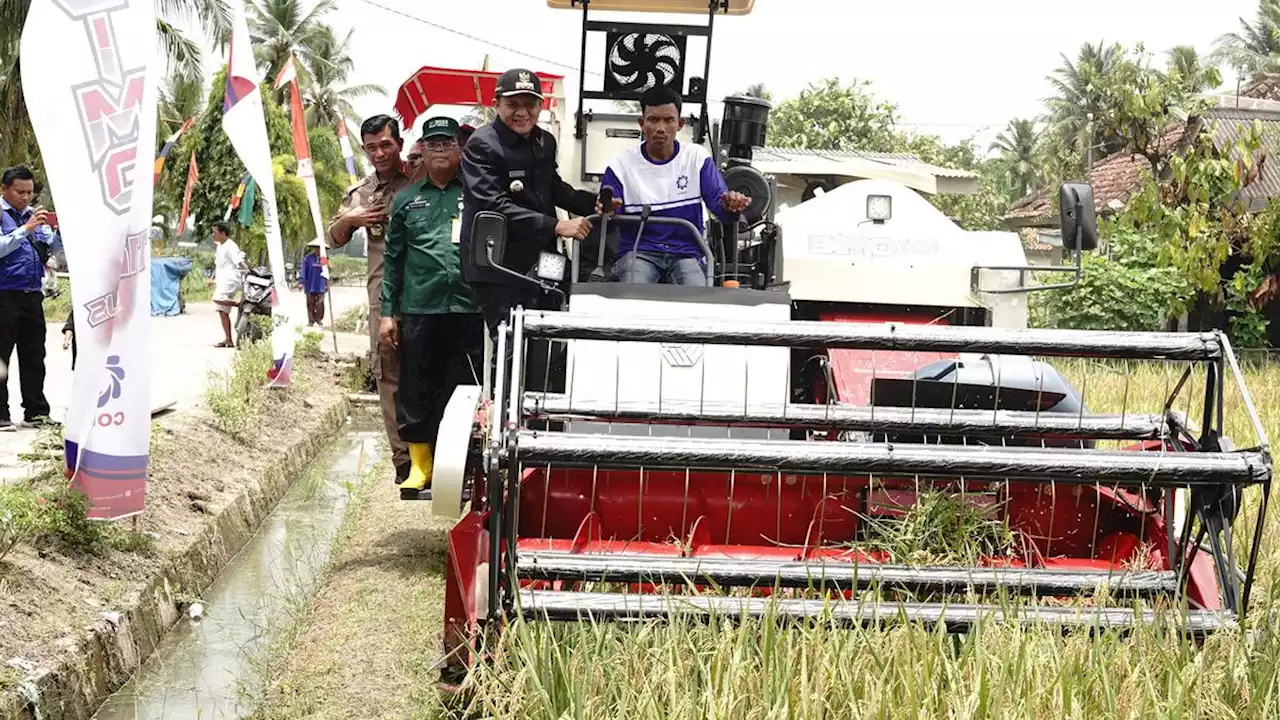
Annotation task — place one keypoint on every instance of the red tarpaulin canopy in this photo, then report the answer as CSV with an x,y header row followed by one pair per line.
x,y
444,86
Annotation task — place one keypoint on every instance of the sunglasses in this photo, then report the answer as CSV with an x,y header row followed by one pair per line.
x,y
440,144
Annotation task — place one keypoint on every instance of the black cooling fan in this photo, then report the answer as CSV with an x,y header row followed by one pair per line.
x,y
639,61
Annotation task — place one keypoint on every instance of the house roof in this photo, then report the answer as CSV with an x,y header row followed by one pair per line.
x,y
1266,87
1118,177
900,167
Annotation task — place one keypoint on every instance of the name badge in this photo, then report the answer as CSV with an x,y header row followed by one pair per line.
x,y
516,174
457,231
417,205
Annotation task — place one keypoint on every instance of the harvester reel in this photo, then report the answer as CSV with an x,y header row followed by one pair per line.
x,y
455,459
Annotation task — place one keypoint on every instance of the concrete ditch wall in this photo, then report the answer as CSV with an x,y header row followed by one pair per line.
x,y
109,652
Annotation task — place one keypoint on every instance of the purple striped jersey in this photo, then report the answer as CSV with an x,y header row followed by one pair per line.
x,y
675,188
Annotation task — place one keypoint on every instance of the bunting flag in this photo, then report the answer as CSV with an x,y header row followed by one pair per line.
x,y
193,174
168,147
94,114
347,154
244,122
245,216
302,150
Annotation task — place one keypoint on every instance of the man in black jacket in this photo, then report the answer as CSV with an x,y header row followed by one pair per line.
x,y
510,167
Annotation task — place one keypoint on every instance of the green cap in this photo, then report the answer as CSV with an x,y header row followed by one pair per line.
x,y
440,127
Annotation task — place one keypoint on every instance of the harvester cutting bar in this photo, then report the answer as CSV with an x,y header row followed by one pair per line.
x,y
1153,469
840,576
879,336
888,420
554,605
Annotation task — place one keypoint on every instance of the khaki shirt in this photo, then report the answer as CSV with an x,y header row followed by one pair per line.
x,y
370,191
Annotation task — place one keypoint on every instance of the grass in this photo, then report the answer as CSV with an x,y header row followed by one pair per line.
x,y
235,396
742,668
349,320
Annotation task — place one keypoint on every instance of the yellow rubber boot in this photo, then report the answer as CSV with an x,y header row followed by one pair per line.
x,y
419,468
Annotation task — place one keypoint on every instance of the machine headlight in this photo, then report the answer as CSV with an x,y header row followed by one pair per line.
x,y
551,266
879,207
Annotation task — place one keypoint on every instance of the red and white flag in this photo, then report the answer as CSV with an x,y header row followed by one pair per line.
x,y
302,149
244,122
94,114
193,174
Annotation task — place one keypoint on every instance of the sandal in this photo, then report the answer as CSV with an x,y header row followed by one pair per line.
x,y
224,344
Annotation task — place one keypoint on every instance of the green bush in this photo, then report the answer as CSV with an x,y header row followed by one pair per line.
x,y
234,396
19,517
309,344
349,320
1124,289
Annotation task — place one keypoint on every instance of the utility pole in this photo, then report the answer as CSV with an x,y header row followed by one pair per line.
x,y
1088,153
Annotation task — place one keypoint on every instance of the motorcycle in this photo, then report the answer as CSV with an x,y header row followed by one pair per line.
x,y
255,299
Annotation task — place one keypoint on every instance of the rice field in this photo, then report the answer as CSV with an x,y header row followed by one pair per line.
x,y
768,669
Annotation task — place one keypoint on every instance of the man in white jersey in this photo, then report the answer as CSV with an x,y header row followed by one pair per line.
x,y
674,181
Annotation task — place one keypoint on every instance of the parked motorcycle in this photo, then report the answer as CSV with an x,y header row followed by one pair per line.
x,y
255,299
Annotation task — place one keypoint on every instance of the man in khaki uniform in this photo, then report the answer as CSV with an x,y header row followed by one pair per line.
x,y
365,206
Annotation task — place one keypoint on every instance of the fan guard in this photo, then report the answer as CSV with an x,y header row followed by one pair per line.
x,y
640,61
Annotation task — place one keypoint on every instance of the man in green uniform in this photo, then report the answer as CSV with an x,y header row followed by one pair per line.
x,y
429,314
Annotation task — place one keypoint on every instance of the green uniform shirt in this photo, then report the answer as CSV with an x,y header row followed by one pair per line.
x,y
423,274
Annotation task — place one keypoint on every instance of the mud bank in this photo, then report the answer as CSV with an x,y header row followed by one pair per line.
x,y
78,627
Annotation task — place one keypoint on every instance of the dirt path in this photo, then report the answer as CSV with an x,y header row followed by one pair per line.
x,y
368,647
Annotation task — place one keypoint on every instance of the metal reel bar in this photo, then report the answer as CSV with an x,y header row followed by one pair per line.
x,y
888,420
879,336
736,572
570,606
1152,469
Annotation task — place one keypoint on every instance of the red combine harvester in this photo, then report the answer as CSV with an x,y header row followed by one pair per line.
x,y
738,449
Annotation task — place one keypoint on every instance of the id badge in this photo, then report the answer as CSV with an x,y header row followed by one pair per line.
x,y
457,231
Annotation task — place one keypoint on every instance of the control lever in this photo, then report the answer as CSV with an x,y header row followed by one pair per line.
x,y
606,209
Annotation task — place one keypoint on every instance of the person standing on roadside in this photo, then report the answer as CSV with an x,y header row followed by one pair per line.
x,y
509,167
365,205
311,275
25,240
428,312
228,263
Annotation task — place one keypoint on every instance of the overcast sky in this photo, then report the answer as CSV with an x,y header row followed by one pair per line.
x,y
954,68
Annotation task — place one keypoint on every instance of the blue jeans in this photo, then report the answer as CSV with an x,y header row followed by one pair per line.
x,y
652,268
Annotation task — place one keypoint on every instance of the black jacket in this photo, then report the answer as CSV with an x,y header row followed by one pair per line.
x,y
496,157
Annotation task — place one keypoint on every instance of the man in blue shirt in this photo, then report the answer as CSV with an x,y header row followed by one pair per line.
x,y
311,275
25,240
674,181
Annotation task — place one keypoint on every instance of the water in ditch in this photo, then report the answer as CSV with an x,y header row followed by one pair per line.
x,y
212,667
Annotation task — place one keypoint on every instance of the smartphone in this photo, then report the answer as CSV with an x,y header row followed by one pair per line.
x,y
51,219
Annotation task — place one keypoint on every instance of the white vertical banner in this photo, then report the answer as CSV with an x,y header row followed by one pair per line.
x,y
245,124
94,114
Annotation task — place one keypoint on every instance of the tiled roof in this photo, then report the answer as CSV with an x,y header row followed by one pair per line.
x,y
1118,177
1266,87
1031,240
1115,178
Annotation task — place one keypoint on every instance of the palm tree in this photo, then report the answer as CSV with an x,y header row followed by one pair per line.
x,y
758,90
1017,145
280,28
17,142
328,65
181,97
1255,50
1079,101
1191,73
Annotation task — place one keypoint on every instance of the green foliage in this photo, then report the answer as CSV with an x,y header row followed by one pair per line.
x,y
234,397
1112,295
221,171
19,516
349,320
308,345
829,115
61,517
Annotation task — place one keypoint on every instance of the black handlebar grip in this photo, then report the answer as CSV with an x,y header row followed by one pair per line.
x,y
606,198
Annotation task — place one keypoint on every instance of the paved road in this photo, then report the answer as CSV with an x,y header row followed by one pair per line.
x,y
182,355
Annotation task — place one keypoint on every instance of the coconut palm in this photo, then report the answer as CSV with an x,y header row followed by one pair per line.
x,y
181,97
327,65
280,28
1192,74
17,142
1255,50
1017,145
1079,100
